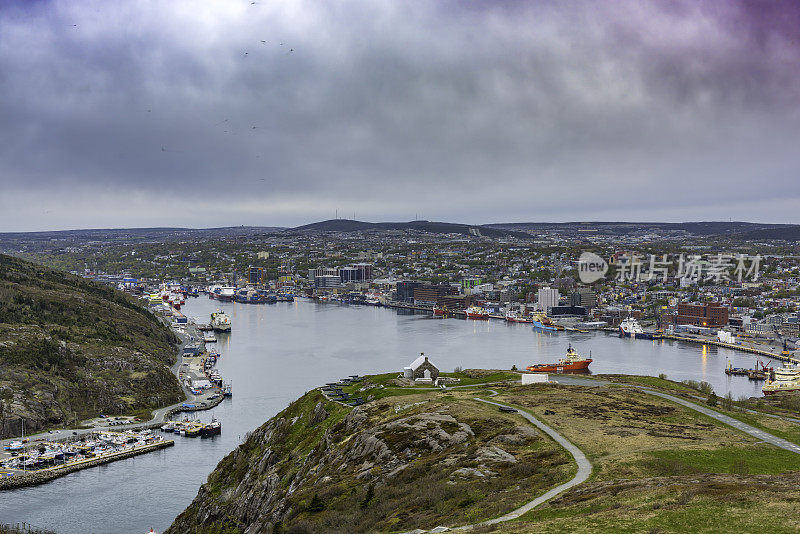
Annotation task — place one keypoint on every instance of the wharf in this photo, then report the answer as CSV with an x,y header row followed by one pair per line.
x,y
19,479
733,346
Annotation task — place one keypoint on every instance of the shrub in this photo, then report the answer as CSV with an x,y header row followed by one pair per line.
x,y
316,504
369,496
712,399
662,376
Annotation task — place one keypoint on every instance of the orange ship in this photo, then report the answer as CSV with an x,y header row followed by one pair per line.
x,y
571,362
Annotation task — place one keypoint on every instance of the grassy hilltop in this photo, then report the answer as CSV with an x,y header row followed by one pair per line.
x,y
71,348
418,459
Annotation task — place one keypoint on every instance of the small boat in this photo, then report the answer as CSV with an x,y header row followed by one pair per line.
x,y
476,312
209,338
440,311
572,361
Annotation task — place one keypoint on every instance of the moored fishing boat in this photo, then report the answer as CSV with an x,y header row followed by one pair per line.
x,y
214,428
572,361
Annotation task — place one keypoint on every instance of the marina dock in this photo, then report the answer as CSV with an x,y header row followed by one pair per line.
x,y
18,478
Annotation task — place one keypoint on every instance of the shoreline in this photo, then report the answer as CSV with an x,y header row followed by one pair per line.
x,y
159,415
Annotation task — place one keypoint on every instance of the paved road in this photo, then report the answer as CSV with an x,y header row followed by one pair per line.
x,y
730,421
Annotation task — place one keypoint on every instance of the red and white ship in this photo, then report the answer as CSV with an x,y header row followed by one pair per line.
x,y
476,312
512,317
571,362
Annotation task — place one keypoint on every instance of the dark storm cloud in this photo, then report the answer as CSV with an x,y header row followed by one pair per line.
x,y
119,114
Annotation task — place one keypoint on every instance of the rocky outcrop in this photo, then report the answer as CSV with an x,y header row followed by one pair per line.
x,y
324,467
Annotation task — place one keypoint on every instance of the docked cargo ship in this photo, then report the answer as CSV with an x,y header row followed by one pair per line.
x,y
572,361
787,379
543,322
476,312
220,322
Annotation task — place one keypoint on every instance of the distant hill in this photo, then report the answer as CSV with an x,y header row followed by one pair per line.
x,y
731,229
71,348
347,225
136,234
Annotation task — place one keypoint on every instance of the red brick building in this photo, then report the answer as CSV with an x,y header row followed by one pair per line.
x,y
712,314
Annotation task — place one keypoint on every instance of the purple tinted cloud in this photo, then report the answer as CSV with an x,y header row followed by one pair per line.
x,y
465,111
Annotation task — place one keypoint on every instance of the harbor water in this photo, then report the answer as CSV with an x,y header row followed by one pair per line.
x,y
277,352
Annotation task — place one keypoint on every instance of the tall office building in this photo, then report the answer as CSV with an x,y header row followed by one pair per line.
x,y
548,297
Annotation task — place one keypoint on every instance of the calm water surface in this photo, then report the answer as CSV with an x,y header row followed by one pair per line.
x,y
277,352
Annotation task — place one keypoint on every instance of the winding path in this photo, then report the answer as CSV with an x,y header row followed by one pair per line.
x,y
584,470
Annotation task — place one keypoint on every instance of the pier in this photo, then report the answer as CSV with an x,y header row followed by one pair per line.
x,y
753,350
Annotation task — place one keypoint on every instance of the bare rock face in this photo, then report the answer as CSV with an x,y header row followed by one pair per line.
x,y
319,414
494,454
520,436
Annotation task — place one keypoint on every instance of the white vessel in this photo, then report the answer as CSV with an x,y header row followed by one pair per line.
x,y
220,322
630,327
787,379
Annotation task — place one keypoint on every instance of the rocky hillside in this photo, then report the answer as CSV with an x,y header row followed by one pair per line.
x,y
71,349
395,464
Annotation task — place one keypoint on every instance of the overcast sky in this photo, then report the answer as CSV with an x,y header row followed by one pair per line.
x,y
199,114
